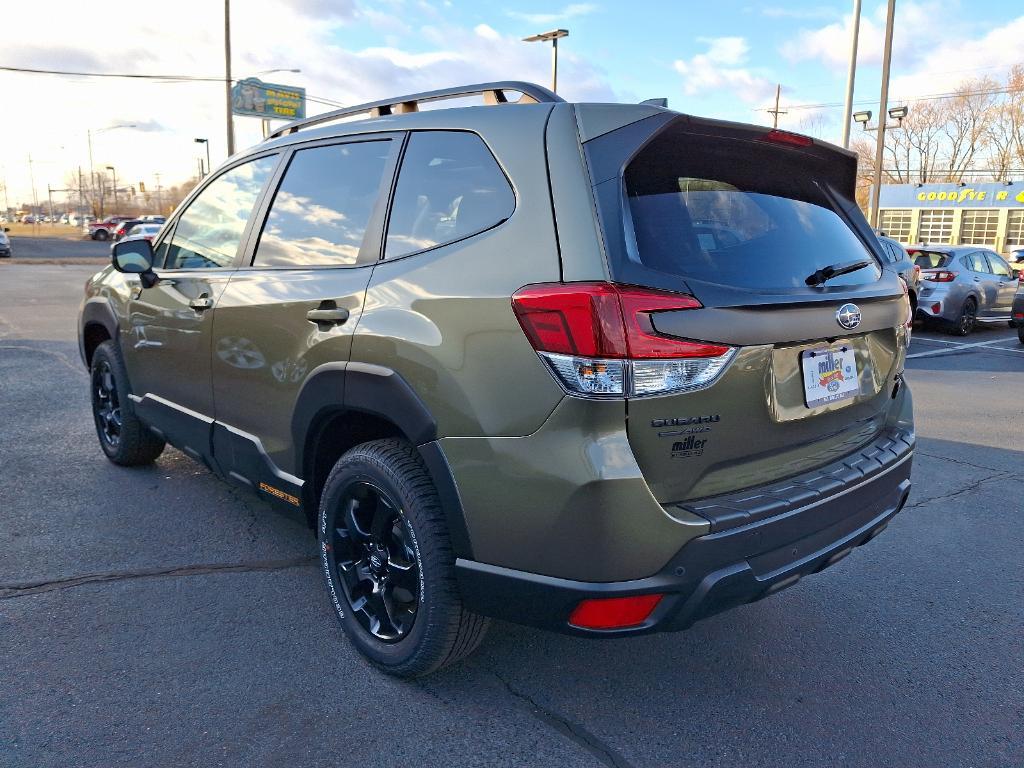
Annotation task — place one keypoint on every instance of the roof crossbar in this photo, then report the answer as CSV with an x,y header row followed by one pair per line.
x,y
493,93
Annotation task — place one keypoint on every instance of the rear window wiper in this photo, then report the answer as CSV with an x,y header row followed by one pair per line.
x,y
823,275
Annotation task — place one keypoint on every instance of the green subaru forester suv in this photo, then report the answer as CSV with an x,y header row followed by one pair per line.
x,y
603,369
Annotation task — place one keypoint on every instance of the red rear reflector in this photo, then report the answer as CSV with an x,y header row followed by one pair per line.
x,y
613,612
785,137
603,320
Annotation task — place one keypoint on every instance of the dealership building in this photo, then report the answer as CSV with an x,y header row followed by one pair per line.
x,y
989,214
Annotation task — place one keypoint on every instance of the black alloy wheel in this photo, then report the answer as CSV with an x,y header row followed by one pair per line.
x,y
106,405
968,316
375,560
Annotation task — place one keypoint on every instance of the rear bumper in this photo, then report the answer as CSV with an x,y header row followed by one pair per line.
x,y
713,572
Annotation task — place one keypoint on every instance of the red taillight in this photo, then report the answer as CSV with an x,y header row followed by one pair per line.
x,y
785,137
572,318
604,320
1018,315
614,612
940,276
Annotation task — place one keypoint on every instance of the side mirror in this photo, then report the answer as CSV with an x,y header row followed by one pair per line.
x,y
135,257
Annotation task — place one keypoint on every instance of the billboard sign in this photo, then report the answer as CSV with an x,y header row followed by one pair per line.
x,y
983,195
270,101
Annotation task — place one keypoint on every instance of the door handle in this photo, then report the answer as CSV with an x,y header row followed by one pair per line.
x,y
328,317
201,304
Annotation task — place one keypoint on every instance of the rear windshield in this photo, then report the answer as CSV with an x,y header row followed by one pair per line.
x,y
739,213
931,259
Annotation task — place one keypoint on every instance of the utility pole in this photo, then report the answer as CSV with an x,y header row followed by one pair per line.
x,y
851,75
49,199
35,197
81,198
882,111
114,171
159,195
227,75
776,112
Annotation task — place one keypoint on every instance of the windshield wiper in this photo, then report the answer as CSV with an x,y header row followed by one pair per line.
x,y
823,275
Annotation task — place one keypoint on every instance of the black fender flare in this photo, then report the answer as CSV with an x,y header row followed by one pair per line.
x,y
379,391
96,310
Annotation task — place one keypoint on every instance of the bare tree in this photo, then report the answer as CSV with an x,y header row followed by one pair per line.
x,y
968,117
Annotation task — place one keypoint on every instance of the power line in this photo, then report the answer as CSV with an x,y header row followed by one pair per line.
x,y
930,97
157,78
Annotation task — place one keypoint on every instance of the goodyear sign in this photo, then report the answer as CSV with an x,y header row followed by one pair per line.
x,y
986,195
268,100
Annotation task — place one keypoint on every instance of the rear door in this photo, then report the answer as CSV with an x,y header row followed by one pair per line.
x,y
1006,284
292,308
813,359
984,281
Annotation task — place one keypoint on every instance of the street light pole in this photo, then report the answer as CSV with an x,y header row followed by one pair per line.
x,y
851,75
553,36
882,111
207,143
227,76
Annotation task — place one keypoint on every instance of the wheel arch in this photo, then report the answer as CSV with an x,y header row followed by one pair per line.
x,y
98,324
344,404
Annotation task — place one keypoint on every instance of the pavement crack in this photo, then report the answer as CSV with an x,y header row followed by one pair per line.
x,y
31,588
572,730
972,486
950,458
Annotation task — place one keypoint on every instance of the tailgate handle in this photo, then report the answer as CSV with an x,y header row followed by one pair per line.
x,y
326,316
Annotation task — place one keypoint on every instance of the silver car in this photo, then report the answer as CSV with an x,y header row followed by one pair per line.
x,y
963,285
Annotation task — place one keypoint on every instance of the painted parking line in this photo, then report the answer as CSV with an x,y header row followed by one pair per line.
x,y
960,347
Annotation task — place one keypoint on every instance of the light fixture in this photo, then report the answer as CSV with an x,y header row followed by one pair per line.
x,y
554,34
898,113
862,117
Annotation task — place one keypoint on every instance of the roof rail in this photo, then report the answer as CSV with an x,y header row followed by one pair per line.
x,y
493,93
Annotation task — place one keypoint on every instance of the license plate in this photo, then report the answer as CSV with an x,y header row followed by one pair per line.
x,y
830,375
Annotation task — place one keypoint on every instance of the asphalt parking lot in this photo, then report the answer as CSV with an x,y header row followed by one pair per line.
x,y
160,617
57,248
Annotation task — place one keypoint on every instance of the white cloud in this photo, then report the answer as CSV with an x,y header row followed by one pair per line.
x,y
571,11
305,34
486,32
719,69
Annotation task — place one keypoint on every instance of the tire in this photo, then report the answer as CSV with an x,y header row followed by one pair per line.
x,y
1020,333
965,322
101,235
379,498
124,439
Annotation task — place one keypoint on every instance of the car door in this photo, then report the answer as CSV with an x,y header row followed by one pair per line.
x,y
167,338
984,282
289,313
1006,284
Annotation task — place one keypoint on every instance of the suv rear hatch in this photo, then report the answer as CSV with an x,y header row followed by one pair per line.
x,y
750,223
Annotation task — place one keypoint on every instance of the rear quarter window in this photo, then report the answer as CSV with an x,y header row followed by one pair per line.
x,y
450,187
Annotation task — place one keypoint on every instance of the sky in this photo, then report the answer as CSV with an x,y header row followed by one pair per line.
x,y
720,59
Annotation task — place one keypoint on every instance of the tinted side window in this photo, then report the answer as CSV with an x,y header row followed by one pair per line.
x,y
450,187
323,207
209,231
999,267
976,262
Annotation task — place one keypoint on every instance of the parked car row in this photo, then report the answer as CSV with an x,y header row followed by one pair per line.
x,y
115,227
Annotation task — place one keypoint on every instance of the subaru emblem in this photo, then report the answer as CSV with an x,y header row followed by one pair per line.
x,y
848,316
